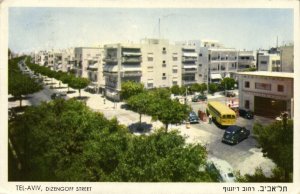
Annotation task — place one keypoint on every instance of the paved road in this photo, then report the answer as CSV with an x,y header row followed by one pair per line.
x,y
244,157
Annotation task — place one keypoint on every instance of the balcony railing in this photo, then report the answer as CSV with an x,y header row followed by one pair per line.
x,y
131,74
189,59
131,59
110,60
187,82
185,71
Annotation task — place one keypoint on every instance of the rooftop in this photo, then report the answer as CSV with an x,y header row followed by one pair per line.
x,y
268,74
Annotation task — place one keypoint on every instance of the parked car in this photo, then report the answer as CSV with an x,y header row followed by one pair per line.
x,y
235,134
198,98
246,114
229,94
58,95
221,169
193,118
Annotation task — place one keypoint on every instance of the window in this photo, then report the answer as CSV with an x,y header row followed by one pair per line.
x,y
263,86
247,84
164,65
175,83
247,104
149,85
175,58
164,78
175,70
150,58
164,50
164,74
200,55
280,88
200,65
263,62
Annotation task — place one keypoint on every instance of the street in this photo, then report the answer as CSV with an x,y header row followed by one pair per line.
x,y
243,157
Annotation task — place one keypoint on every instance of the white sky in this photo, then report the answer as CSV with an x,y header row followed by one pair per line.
x,y
45,28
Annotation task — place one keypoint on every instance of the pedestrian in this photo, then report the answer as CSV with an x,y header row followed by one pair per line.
x,y
209,119
103,100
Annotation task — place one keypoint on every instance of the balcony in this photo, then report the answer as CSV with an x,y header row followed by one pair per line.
x,y
188,82
93,67
131,74
110,60
189,59
131,59
188,71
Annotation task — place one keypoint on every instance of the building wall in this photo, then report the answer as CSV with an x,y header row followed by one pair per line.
x,y
287,58
264,86
269,62
246,60
161,63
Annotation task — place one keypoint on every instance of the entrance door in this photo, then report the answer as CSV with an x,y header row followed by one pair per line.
x,y
268,107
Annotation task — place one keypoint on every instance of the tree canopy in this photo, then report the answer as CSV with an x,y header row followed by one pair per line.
x,y
18,83
276,141
66,141
228,83
130,88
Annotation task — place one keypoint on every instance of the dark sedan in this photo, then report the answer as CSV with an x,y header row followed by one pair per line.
x,y
235,134
246,114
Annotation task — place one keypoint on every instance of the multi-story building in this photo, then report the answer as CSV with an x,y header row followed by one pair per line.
x,y
268,61
246,60
161,63
68,59
41,58
55,60
216,61
287,58
122,62
266,93
85,57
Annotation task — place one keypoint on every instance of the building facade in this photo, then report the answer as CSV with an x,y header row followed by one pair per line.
x,y
266,93
246,60
161,63
267,61
85,57
122,62
287,58
217,61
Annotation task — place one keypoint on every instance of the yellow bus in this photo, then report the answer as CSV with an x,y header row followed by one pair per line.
x,y
221,113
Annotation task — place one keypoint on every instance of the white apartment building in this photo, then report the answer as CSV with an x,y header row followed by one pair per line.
x,y
41,58
161,63
246,60
266,93
68,59
85,57
216,61
287,58
267,61
122,62
54,60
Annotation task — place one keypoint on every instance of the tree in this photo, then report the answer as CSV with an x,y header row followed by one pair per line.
x,y
276,141
168,111
228,83
139,103
213,88
195,87
130,88
20,84
175,90
79,83
163,157
203,88
66,79
66,141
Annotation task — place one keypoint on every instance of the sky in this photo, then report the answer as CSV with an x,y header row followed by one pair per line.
x,y
33,29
